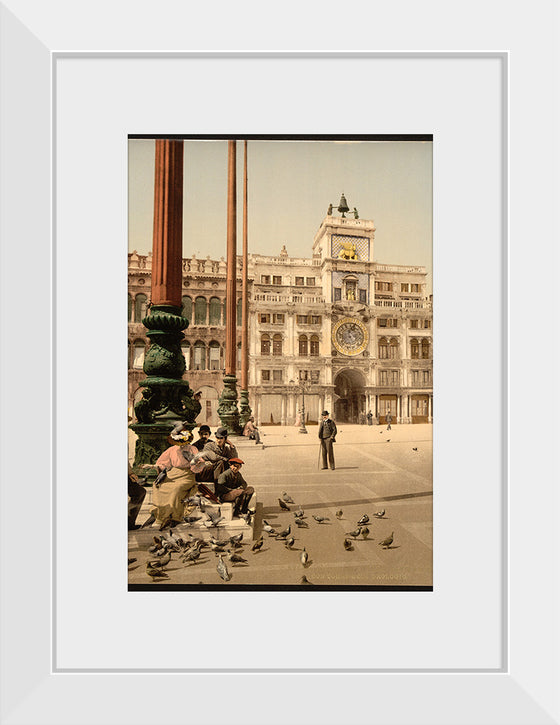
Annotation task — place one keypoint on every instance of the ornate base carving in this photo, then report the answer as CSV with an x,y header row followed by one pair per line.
x,y
227,408
166,397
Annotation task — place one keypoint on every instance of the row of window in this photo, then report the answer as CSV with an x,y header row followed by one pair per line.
x,y
389,349
206,312
413,324
209,357
299,281
274,343
385,377
197,357
392,287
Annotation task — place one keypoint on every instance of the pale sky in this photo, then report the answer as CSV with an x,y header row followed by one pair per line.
x,y
290,186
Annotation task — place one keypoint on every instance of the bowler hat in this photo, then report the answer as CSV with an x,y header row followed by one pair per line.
x,y
325,412
204,429
221,433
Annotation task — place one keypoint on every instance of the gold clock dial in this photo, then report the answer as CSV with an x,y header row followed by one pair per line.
x,y
350,336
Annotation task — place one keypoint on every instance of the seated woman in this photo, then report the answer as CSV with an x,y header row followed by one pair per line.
x,y
231,486
178,484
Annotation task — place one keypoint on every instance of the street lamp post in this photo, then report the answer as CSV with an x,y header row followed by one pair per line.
x,y
304,387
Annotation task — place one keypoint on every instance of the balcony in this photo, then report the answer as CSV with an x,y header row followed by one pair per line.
x,y
420,304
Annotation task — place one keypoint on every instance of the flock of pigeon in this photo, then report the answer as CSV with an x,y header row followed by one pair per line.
x,y
188,548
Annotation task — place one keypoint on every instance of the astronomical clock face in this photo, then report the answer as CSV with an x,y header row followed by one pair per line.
x,y
350,336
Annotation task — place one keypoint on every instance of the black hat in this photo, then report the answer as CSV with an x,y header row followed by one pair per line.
x,y
325,412
204,429
221,433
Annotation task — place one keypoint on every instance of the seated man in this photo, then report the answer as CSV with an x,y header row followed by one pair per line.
x,y
204,437
251,431
136,496
232,487
217,454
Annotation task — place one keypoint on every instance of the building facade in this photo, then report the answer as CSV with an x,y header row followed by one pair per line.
x,y
336,330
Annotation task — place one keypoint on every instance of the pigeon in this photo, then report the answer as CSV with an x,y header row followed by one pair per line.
x,y
283,534
354,534
338,514
131,561
257,546
365,532
379,514
268,528
248,517
348,545
148,522
163,550
304,557
302,524
363,520
222,569
218,547
168,523
386,543
287,498
299,514
290,542
320,519
236,540
162,561
196,500
214,518
191,519
156,545
388,440
172,538
155,573
305,580
415,449
283,505
191,555
235,558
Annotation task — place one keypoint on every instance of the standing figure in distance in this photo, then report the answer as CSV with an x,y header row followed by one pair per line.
x,y
369,417
389,419
327,436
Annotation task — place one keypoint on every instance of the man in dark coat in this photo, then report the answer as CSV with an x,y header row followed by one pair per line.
x,y
327,436
217,453
389,419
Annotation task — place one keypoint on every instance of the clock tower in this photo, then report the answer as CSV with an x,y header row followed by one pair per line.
x,y
344,246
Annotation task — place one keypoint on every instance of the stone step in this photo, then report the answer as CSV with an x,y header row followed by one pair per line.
x,y
228,526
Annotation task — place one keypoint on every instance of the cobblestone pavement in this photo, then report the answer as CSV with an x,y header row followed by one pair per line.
x,y
376,469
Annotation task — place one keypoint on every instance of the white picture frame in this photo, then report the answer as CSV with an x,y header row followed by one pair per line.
x,y
519,685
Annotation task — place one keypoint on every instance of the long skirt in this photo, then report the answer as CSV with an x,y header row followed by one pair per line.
x,y
178,484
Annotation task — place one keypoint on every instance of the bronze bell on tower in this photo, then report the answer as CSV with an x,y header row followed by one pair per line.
x,y
343,206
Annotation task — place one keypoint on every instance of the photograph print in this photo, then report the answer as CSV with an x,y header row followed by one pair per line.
x,y
280,363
